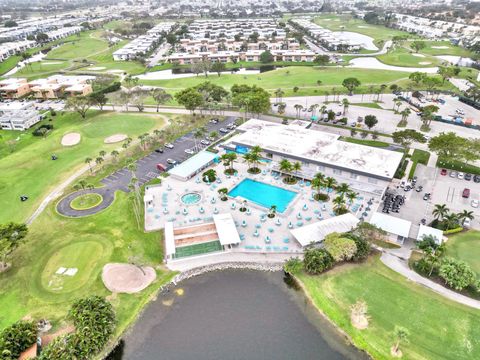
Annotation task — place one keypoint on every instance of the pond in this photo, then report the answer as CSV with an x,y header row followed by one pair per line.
x,y
233,315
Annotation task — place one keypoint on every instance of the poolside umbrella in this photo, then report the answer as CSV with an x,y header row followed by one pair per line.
x,y
365,214
268,240
202,210
215,211
278,221
290,225
256,233
299,216
185,211
165,210
244,223
305,207
233,206
213,201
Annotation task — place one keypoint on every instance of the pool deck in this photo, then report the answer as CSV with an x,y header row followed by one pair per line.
x,y
260,235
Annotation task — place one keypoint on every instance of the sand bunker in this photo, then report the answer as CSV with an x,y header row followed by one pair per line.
x,y
424,63
51,62
363,27
97,68
71,139
127,278
115,138
115,71
440,47
418,55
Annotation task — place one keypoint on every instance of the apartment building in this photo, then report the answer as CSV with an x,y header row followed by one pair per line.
x,y
11,48
229,28
59,86
14,88
21,119
144,43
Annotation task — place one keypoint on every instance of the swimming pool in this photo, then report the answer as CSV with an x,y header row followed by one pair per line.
x,y
263,194
191,198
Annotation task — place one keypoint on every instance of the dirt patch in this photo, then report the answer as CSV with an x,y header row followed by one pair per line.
x,y
71,139
97,68
115,138
419,55
440,47
127,278
424,63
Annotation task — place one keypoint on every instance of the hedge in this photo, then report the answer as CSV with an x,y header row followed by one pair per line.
x,y
453,231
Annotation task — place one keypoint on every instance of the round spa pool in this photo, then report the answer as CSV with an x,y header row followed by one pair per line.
x,y
191,198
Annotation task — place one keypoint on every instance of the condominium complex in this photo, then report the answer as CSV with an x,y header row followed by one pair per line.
x,y
19,119
11,48
228,28
144,43
53,87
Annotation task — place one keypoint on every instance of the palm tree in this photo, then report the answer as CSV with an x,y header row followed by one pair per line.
x,y
286,167
440,211
198,134
102,153
298,108
338,203
450,221
272,211
345,104
317,182
330,183
343,189
88,161
465,214
213,134
297,166
248,159
114,154
279,94
99,160
351,196
401,335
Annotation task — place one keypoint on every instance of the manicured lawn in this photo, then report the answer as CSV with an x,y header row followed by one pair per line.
x,y
9,64
32,288
370,105
29,169
348,23
374,143
289,77
85,45
404,57
418,157
439,328
466,246
86,201
450,49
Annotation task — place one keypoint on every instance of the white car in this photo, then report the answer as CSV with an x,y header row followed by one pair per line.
x,y
189,151
467,222
205,142
169,146
461,175
474,203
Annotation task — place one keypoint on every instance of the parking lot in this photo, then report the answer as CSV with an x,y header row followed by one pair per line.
x,y
56,104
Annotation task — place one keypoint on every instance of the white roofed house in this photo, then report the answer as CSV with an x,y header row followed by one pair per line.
x,y
398,229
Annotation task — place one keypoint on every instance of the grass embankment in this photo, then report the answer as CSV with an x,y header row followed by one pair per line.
x,y
457,166
373,143
31,287
418,157
402,56
86,201
465,246
28,170
371,105
439,328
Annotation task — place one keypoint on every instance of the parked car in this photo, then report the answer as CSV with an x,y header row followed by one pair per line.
x,y
171,161
211,139
231,126
223,130
460,175
189,151
159,150
161,167
476,178
169,146
474,203
419,189
468,177
205,142
213,121
427,196
443,172
353,124
466,193
467,222
453,174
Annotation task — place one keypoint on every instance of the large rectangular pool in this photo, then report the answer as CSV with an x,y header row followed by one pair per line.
x,y
263,194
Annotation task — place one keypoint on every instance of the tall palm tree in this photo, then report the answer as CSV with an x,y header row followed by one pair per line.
x,y
465,214
318,182
286,167
88,161
351,196
345,104
115,154
338,203
279,94
343,189
330,182
298,108
451,220
297,166
440,211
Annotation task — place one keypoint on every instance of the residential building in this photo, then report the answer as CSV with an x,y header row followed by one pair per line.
x,y
59,86
14,88
21,119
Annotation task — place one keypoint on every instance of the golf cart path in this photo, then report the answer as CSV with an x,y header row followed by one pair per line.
x,y
395,260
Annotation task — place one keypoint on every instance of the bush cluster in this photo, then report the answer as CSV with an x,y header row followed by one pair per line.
x,y
17,338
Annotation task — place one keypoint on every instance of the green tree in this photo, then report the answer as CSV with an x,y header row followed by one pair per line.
x,y
440,211
293,265
464,215
446,72
407,137
351,84
99,99
17,338
448,146
190,98
321,60
80,104
456,273
400,335
317,261
266,57
417,45
341,248
160,96
371,121
417,77
286,167
218,67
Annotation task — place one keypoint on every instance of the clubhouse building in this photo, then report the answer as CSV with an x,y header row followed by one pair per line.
x,y
364,168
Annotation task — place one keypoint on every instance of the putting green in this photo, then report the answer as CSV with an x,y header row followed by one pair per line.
x,y
83,256
86,201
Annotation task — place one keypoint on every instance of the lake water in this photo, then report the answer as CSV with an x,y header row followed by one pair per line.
x,y
233,315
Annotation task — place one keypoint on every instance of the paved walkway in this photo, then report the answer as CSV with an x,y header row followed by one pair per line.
x,y
397,260
64,208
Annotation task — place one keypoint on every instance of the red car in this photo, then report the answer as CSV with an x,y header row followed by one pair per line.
x,y
443,172
466,193
161,167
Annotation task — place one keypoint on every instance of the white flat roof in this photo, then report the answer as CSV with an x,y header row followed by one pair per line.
x,y
316,232
391,224
193,164
226,229
169,239
427,230
318,146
